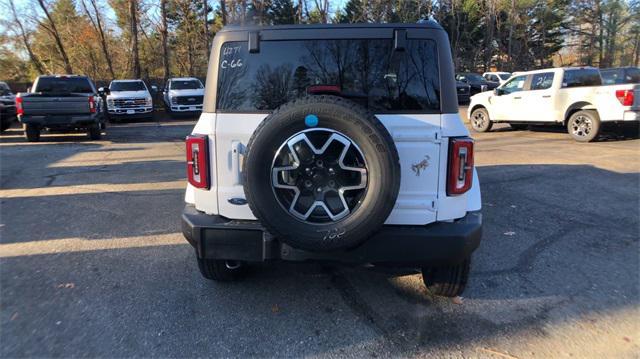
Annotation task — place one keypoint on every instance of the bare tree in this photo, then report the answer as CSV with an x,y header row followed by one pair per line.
x,y
223,12
205,10
133,13
25,40
97,25
164,31
56,36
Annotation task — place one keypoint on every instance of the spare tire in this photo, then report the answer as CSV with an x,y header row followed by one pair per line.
x,y
321,173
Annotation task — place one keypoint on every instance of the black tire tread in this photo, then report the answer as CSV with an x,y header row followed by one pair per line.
x,y
447,281
215,269
31,133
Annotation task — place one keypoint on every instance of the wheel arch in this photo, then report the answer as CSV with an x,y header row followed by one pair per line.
x,y
575,107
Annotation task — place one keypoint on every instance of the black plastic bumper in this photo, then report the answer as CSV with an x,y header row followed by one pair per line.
x,y
440,243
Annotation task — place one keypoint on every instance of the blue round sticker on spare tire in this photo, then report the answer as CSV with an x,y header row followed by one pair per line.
x,y
311,120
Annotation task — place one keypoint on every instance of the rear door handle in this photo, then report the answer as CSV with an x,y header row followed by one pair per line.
x,y
546,96
517,98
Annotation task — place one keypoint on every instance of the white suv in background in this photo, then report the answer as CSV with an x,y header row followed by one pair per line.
x,y
129,99
183,95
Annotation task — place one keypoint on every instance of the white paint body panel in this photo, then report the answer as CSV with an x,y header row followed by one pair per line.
x,y
421,141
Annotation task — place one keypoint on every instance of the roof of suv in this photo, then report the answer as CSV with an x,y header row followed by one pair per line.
x,y
428,24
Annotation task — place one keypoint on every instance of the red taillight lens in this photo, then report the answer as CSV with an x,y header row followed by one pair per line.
x,y
198,161
460,171
92,104
625,97
19,108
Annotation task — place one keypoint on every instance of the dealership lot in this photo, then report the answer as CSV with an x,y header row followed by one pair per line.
x,y
92,261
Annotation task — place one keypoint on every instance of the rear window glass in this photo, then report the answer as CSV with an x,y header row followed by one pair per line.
x,y
582,77
185,85
63,85
367,71
127,86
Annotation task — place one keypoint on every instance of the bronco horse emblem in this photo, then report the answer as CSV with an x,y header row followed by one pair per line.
x,y
420,166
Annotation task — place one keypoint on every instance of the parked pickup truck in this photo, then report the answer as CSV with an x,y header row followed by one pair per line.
x,y
573,97
129,99
61,102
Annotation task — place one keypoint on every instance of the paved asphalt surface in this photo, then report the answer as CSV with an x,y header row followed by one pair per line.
x,y
92,262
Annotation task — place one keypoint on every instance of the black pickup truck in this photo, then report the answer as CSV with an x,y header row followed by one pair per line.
x,y
61,102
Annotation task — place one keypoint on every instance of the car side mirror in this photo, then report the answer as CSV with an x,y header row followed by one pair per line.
x,y
497,91
104,91
154,88
28,89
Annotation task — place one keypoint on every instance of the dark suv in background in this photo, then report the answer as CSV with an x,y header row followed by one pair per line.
x,y
7,106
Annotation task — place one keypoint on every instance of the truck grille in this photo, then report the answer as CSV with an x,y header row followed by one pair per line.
x,y
188,100
129,102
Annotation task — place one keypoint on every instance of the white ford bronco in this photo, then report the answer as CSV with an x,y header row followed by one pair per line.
x,y
337,143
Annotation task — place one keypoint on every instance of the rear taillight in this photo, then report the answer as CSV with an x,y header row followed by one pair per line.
x,y
198,161
19,108
460,171
92,104
625,97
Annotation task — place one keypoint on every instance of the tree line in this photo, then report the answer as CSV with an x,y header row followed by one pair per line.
x,y
109,39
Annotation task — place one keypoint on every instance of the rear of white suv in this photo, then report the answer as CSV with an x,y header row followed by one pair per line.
x,y
348,149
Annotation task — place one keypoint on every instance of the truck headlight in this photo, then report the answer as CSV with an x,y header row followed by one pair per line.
x,y
149,101
174,100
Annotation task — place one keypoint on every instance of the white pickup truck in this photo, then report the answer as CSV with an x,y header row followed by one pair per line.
x,y
573,97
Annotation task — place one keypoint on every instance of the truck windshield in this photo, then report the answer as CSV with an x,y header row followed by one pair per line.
x,y
127,86
504,76
63,85
185,85
368,72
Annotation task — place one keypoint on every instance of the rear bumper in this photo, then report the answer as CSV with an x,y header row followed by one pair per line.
x,y
441,243
62,120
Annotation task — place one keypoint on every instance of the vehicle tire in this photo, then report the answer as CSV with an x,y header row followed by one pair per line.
x,y
220,270
94,132
338,144
480,121
446,281
519,126
4,125
32,133
584,125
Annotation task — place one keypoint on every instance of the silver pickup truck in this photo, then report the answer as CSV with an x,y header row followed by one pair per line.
x,y
61,102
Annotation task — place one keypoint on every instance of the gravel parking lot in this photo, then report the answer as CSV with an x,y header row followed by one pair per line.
x,y
92,261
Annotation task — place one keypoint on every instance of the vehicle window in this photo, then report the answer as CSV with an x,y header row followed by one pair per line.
x,y
127,86
542,81
610,77
366,71
581,77
504,76
185,85
494,78
63,85
632,76
514,85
